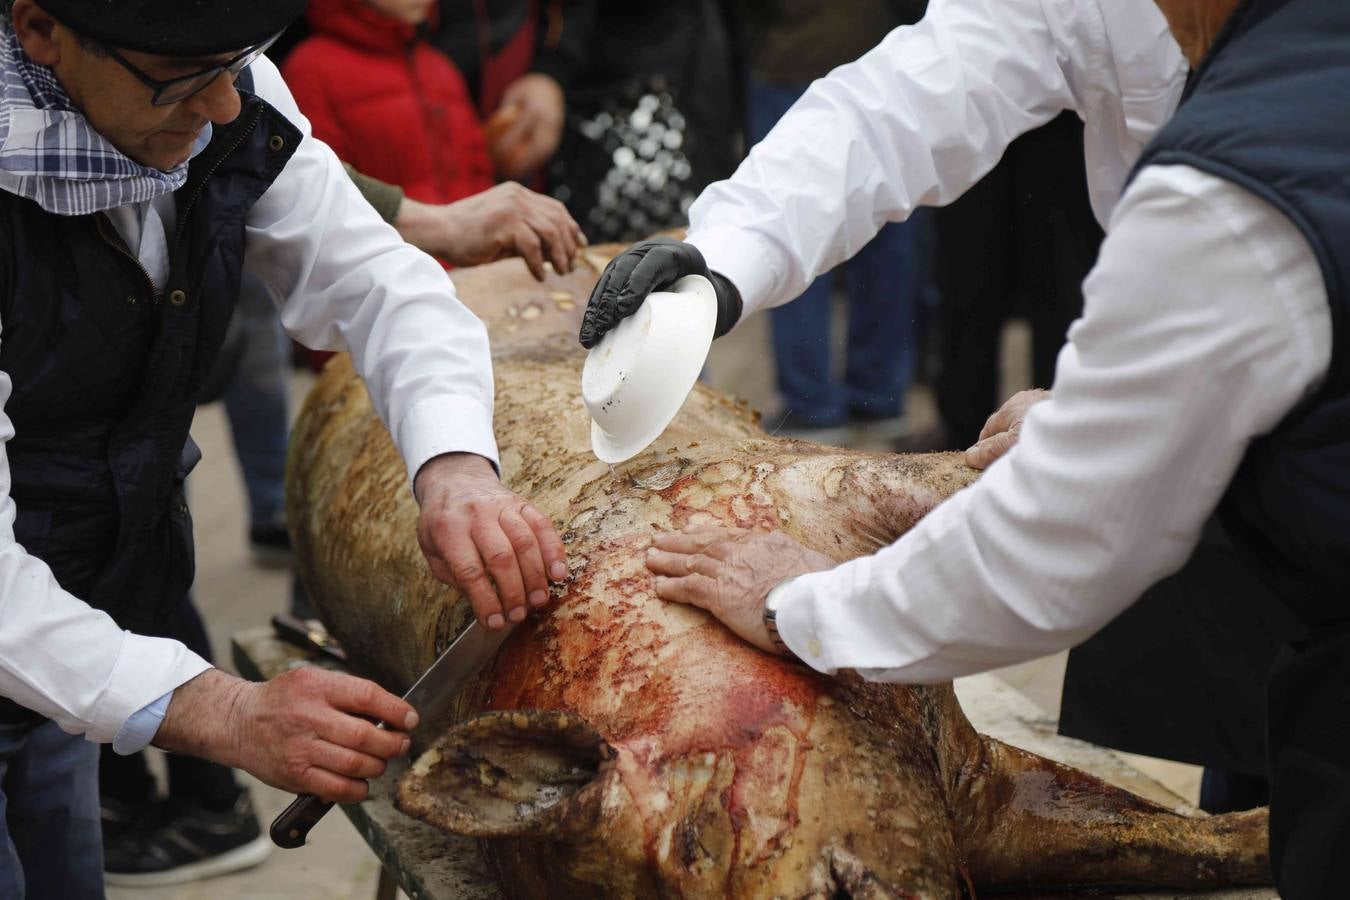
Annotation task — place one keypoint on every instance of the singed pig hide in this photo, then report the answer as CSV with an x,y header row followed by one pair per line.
x,y
621,746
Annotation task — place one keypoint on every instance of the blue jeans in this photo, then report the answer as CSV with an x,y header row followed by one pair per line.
x,y
883,283
52,844
256,403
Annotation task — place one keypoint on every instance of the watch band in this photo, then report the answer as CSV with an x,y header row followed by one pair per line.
x,y
771,616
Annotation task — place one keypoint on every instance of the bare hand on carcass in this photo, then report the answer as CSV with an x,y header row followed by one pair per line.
x,y
476,534
729,572
1003,428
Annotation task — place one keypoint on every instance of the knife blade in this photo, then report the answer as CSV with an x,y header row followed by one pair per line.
x,y
432,695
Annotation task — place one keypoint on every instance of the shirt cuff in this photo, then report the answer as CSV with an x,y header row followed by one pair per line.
x,y
736,254
140,729
831,620
447,424
147,668
796,620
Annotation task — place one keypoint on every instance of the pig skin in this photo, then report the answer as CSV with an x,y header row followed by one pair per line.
x,y
620,746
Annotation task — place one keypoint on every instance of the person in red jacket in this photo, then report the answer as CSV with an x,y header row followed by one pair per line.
x,y
386,101
396,109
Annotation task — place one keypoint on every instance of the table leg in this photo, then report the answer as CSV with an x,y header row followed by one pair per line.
x,y
387,889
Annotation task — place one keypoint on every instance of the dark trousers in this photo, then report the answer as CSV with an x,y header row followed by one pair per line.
x,y
882,282
1309,735
191,780
51,847
1023,238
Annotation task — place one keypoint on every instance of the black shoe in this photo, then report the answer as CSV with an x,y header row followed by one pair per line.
x,y
188,843
271,545
121,820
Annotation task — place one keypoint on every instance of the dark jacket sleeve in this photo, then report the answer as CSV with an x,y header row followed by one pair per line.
x,y
386,198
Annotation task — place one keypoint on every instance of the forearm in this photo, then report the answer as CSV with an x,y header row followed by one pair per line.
x,y
1176,366
73,664
203,717
386,199
422,225
450,465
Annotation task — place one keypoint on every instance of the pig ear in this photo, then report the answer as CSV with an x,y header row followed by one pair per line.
x,y
523,773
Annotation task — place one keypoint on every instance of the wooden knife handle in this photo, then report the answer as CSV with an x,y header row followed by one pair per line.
x,y
290,828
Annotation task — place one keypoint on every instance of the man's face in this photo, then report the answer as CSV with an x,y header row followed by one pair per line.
x,y
117,104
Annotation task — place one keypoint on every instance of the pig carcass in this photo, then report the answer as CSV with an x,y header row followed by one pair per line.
x,y
621,746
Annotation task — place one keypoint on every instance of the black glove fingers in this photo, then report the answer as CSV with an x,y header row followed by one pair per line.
x,y
600,315
657,270
649,266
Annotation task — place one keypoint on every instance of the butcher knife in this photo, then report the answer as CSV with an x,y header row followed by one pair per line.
x,y
432,696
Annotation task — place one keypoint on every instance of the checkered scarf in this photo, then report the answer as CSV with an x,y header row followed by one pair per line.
x,y
50,154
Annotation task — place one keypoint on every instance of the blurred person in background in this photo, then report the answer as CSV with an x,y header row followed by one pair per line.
x,y
1021,241
511,53
653,112
387,102
788,44
396,109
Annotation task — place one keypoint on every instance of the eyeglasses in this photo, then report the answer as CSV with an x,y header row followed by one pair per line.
x,y
176,90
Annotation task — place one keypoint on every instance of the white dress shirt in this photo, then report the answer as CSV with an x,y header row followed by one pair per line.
x,y
924,116
344,280
1205,321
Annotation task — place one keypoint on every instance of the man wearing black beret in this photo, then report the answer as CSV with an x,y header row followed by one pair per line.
x,y
149,154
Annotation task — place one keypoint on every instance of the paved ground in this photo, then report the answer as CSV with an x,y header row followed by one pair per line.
x,y
234,594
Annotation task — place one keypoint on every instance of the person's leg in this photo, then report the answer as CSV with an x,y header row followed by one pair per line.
x,y
206,826
974,274
801,329
883,287
1058,234
125,780
801,344
12,738
51,794
1222,792
255,402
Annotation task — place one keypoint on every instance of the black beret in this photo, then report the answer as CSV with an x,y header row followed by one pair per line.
x,y
177,27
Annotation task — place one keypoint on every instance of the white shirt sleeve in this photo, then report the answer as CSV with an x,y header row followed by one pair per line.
x,y
914,122
346,281
59,656
1206,320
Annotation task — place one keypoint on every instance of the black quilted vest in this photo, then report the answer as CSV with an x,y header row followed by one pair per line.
x,y
106,373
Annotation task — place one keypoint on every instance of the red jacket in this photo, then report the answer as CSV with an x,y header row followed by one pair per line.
x,y
388,103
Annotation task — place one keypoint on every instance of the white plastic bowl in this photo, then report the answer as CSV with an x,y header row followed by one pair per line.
x,y
639,375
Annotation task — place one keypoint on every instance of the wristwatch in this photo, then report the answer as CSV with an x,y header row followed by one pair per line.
x,y
771,602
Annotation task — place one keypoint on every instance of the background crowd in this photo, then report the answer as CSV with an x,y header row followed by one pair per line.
x,y
624,112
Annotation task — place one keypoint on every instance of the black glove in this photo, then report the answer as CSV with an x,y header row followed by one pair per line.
x,y
645,267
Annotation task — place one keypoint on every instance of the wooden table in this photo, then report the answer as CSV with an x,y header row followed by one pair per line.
x,y
429,864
